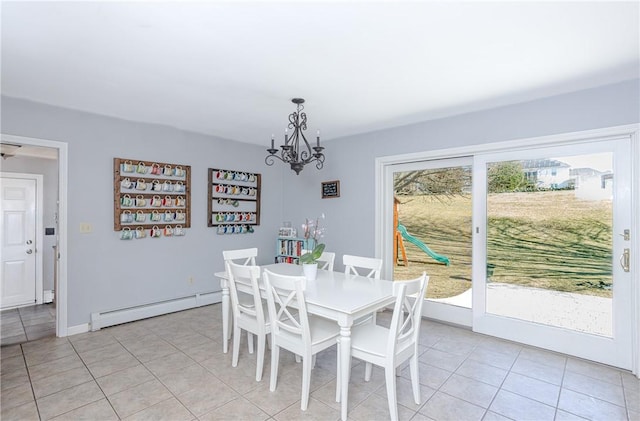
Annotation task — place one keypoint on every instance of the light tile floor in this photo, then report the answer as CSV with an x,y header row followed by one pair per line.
x,y
172,367
27,323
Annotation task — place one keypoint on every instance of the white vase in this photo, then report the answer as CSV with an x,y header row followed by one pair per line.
x,y
310,271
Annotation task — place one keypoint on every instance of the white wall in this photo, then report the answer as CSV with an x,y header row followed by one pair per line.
x,y
49,170
106,273
350,219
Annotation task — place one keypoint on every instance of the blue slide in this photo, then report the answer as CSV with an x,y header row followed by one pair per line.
x,y
413,240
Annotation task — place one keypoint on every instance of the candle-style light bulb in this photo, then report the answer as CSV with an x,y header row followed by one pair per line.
x,y
272,140
318,139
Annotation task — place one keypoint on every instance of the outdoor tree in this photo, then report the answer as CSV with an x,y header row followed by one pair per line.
x,y
440,182
507,176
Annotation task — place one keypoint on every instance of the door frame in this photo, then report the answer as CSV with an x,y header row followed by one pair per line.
x,y
63,153
384,215
38,233
613,350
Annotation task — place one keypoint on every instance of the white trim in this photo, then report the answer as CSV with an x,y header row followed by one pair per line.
x,y
76,330
635,246
459,316
384,219
38,230
62,147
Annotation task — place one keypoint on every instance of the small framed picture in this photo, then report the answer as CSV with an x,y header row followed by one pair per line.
x,y
286,232
330,189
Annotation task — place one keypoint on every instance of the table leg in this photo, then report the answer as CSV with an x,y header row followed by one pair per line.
x,y
345,369
226,318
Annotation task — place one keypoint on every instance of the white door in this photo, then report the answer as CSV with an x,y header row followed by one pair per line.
x,y
551,232
18,232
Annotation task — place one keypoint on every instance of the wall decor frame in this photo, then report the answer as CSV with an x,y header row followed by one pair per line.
x,y
234,200
330,189
150,194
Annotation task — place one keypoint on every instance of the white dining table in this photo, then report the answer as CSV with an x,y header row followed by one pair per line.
x,y
333,295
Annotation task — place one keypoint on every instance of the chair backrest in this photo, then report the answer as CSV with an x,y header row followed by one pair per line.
x,y
407,313
287,308
249,255
363,266
250,276
326,260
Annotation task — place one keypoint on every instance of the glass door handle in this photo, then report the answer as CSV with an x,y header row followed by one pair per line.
x,y
624,260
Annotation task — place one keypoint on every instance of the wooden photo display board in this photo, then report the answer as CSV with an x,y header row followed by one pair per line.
x,y
234,201
330,189
148,194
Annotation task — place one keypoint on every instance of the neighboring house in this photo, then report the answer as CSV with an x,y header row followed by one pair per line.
x,y
548,173
593,184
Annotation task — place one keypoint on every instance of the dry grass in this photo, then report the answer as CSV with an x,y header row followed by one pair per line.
x,y
544,239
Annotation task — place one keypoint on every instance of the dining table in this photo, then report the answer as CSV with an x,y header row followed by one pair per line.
x,y
333,295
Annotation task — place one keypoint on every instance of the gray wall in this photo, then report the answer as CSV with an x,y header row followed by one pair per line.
x,y
106,273
350,219
49,170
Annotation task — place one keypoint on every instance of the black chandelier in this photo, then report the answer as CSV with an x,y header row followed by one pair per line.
x,y
292,152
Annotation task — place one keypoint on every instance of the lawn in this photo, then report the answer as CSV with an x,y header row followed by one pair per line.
x,y
542,239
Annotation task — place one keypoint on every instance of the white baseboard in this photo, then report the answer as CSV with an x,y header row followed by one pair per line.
x,y
76,330
124,315
48,296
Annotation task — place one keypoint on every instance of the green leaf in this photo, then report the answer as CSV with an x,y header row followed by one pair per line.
x,y
313,256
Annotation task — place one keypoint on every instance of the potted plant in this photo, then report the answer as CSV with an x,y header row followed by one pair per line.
x,y
309,260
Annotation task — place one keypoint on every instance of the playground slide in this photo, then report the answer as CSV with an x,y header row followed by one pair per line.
x,y
440,258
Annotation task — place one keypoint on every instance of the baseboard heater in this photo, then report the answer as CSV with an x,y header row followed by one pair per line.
x,y
144,311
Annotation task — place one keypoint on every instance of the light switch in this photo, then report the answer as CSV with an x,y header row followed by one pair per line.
x,y
85,228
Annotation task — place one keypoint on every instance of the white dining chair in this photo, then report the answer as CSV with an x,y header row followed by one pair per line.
x,y
248,256
326,260
244,257
251,318
369,267
292,328
390,347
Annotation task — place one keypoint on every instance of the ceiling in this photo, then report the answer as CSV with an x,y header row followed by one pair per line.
x,y
229,69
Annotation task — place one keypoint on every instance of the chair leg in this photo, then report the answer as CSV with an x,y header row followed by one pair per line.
x,y
236,344
313,361
260,357
298,358
306,381
415,380
275,358
250,342
390,380
368,368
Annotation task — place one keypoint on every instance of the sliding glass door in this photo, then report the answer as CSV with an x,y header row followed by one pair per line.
x,y
432,232
531,244
551,229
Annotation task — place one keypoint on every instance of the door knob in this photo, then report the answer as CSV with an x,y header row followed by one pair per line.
x,y
29,241
29,251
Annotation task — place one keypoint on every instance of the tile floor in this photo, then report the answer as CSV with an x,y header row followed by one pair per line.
x,y
24,324
172,367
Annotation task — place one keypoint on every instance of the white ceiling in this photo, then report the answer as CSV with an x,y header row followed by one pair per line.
x,y
230,68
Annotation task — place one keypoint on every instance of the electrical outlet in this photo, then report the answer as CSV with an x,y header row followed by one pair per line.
x,y
85,228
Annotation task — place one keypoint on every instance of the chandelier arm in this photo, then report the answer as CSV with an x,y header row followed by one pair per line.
x,y
269,159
